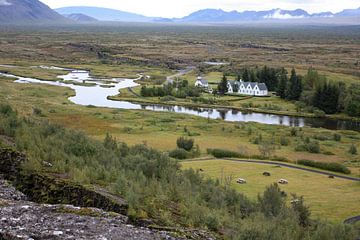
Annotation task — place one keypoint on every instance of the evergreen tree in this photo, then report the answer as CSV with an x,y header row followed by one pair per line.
x,y
283,80
326,98
223,86
253,76
246,75
294,88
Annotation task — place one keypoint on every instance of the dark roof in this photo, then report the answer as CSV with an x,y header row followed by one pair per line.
x,y
263,87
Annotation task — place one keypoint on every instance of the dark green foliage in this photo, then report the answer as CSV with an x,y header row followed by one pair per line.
x,y
185,143
272,201
334,167
283,81
246,75
177,89
294,87
221,153
309,146
352,100
303,212
223,86
269,77
326,98
179,153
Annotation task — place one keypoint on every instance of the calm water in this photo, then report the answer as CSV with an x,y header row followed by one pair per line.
x,y
97,96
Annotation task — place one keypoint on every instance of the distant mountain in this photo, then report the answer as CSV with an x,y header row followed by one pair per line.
x,y
219,15
79,17
105,14
27,11
349,13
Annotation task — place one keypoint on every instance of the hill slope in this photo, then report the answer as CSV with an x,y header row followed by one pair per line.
x,y
25,11
105,14
79,17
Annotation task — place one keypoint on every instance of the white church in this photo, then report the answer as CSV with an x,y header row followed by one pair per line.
x,y
247,88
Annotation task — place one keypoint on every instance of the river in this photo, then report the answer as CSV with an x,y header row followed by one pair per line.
x,y
97,94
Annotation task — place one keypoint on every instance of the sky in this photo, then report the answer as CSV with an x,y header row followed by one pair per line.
x,y
180,8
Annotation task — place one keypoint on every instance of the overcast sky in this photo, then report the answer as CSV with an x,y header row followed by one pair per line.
x,y
180,8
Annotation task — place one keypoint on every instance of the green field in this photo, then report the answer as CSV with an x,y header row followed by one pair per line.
x,y
332,199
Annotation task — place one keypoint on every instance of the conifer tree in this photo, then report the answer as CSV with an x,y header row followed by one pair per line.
x,y
294,88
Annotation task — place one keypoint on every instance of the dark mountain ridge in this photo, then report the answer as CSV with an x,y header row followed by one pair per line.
x,y
25,11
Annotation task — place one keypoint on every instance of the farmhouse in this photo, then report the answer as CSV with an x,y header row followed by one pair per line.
x,y
200,82
247,88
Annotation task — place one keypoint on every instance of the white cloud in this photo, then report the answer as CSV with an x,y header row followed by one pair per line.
x,y
180,8
279,15
4,3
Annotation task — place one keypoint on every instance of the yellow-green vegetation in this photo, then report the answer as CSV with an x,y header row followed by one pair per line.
x,y
321,193
160,129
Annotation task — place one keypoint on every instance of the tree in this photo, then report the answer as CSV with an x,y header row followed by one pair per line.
x,y
301,210
246,75
352,100
223,86
294,88
326,98
253,77
272,201
185,143
283,81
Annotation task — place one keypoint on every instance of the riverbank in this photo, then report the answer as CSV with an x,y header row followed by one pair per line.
x,y
142,100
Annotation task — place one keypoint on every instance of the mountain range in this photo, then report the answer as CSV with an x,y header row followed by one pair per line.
x,y
27,11
206,15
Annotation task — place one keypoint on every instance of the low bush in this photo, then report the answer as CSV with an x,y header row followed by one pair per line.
x,y
179,153
185,143
334,167
222,153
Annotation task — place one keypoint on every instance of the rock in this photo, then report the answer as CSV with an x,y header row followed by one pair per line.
x,y
8,192
40,221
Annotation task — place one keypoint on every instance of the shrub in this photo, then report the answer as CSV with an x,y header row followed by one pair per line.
x,y
221,153
179,153
313,147
337,137
185,143
284,141
293,132
334,167
167,99
353,149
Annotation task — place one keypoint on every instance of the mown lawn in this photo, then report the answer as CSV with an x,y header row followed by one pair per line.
x,y
333,199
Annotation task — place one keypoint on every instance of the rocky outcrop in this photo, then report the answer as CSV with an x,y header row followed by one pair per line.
x,y
41,206
21,219
42,187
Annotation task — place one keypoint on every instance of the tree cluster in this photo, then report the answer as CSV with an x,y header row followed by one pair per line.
x,y
179,89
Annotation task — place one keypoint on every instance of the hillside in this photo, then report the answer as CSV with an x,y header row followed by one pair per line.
x,y
25,11
105,14
79,17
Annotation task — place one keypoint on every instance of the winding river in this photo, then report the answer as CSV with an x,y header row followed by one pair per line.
x,y
94,91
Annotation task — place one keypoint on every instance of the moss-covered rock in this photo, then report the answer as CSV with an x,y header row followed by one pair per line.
x,y
44,188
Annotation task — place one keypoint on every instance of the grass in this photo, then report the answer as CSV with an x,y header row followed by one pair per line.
x,y
321,194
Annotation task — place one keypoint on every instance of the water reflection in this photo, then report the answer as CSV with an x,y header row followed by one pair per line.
x,y
97,96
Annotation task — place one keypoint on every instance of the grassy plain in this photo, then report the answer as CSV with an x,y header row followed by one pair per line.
x,y
125,51
332,199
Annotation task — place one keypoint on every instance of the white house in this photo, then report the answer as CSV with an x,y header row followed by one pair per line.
x,y
200,82
247,88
